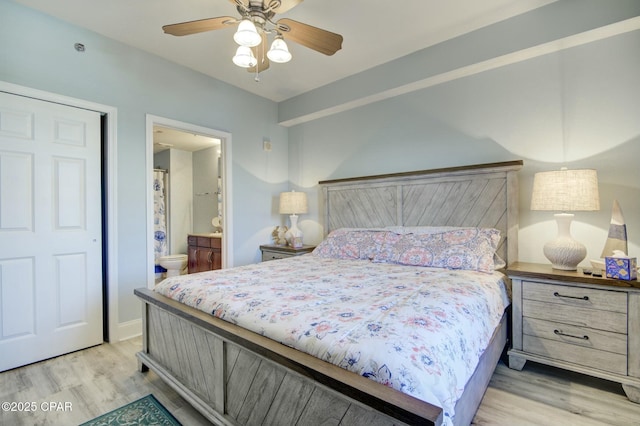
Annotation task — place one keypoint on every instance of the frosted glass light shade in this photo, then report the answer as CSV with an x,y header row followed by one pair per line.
x,y
293,203
247,34
279,51
244,57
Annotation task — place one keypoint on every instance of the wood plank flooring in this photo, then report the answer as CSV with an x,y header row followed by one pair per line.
x,y
100,379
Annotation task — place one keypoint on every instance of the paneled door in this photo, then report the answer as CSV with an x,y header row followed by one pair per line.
x,y
50,230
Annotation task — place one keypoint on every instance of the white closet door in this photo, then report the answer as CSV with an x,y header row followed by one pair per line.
x,y
50,230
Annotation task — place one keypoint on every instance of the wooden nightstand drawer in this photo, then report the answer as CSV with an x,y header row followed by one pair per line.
x,y
580,336
604,300
567,352
273,255
273,252
577,316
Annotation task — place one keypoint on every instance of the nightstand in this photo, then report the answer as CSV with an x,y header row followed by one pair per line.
x,y
273,252
577,322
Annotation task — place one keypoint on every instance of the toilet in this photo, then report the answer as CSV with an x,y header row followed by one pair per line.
x,y
175,264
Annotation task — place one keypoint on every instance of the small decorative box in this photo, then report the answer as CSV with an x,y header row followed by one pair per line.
x,y
621,268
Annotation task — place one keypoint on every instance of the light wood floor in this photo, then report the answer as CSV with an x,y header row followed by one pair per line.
x,y
102,378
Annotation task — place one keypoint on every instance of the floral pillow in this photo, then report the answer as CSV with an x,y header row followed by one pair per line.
x,y
460,248
351,243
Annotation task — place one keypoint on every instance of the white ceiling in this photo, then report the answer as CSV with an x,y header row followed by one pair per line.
x,y
167,138
374,32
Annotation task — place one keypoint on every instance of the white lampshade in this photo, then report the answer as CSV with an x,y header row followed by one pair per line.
x,y
247,34
565,191
279,51
293,202
244,57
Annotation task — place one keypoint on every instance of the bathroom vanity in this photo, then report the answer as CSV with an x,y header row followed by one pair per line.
x,y
205,252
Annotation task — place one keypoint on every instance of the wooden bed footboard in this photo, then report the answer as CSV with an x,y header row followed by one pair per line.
x,y
236,377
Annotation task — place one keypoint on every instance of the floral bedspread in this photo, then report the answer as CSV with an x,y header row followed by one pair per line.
x,y
419,330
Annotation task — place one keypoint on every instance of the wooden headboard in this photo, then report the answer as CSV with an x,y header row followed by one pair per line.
x,y
484,195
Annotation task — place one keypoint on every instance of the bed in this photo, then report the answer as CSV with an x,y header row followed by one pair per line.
x,y
235,376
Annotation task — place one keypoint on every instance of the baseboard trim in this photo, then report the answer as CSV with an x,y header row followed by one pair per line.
x,y
129,330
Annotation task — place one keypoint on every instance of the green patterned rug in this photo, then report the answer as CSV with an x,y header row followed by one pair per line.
x,y
145,411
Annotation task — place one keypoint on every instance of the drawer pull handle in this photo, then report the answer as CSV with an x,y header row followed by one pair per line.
x,y
560,333
556,294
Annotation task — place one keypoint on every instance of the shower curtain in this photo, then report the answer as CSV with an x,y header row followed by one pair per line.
x,y
159,215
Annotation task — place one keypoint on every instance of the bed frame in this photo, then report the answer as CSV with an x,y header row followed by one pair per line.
x,y
237,377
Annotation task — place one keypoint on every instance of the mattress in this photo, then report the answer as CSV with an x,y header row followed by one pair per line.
x,y
417,329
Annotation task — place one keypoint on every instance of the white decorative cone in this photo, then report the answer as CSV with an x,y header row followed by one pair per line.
x,y
617,238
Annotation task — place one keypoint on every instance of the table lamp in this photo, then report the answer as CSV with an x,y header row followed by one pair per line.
x,y
292,203
565,191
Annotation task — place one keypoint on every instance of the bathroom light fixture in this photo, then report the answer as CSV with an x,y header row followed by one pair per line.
x,y
292,203
565,191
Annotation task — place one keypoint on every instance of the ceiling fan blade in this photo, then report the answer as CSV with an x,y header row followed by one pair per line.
x,y
199,26
320,40
260,52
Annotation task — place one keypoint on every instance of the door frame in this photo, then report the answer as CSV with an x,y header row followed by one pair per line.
x,y
227,205
109,181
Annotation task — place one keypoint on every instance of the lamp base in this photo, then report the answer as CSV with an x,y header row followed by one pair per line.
x,y
294,234
564,252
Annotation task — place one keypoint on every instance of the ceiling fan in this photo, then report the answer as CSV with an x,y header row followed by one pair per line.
x,y
255,23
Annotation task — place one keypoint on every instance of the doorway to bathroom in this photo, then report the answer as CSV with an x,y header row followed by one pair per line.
x,y
188,170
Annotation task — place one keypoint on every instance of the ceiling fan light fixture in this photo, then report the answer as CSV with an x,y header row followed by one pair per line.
x,y
279,51
256,25
247,34
244,57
